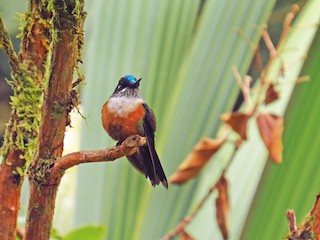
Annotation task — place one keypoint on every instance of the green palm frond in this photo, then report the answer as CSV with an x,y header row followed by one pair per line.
x,y
184,50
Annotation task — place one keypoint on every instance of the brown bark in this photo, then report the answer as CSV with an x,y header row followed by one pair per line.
x,y
128,147
310,226
40,211
42,197
10,188
55,110
10,182
50,50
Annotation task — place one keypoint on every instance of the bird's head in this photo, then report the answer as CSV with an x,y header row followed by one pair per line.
x,y
127,82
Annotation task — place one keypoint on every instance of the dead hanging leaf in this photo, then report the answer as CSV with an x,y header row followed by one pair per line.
x,y
237,121
222,207
271,128
185,236
196,160
271,95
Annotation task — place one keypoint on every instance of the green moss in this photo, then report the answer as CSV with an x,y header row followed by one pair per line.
x,y
26,102
23,128
22,18
7,46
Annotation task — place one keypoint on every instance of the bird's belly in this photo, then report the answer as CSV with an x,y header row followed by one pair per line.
x,y
123,122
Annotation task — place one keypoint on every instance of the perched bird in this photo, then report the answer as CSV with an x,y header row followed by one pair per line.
x,y
124,114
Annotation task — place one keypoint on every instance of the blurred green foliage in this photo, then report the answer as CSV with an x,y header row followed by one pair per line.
x,y
87,232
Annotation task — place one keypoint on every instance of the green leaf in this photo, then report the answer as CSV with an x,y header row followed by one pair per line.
x,y
55,235
87,233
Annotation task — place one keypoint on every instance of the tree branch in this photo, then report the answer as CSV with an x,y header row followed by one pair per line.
x,y
310,226
6,44
22,129
292,223
128,147
187,219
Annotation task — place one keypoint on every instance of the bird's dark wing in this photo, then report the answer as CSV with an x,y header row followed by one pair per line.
x,y
137,162
151,162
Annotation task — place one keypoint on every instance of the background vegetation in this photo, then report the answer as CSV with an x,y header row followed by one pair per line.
x,y
184,51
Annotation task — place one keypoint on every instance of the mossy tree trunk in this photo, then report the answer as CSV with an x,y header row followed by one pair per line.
x,y
55,117
42,76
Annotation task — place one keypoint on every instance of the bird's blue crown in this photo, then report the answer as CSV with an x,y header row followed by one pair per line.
x,y
131,79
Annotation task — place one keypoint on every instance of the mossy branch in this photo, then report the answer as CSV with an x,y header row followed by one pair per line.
x,y
310,226
21,135
6,44
41,80
63,22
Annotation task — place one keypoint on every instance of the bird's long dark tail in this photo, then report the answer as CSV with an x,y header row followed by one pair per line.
x,y
147,162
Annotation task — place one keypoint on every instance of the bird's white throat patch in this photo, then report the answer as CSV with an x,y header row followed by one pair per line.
x,y
122,106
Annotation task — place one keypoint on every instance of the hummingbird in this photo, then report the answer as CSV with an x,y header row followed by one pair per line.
x,y
124,114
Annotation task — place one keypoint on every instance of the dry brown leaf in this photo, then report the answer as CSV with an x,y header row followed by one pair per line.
x,y
237,121
185,236
222,207
271,95
271,128
196,160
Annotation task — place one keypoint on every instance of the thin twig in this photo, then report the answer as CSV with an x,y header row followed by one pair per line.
x,y
287,24
291,217
187,219
6,44
310,226
269,43
251,44
254,46
274,52
244,85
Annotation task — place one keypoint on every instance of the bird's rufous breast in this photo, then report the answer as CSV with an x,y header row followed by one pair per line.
x,y
122,121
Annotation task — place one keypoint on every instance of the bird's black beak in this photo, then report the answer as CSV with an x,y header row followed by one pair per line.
x,y
137,84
